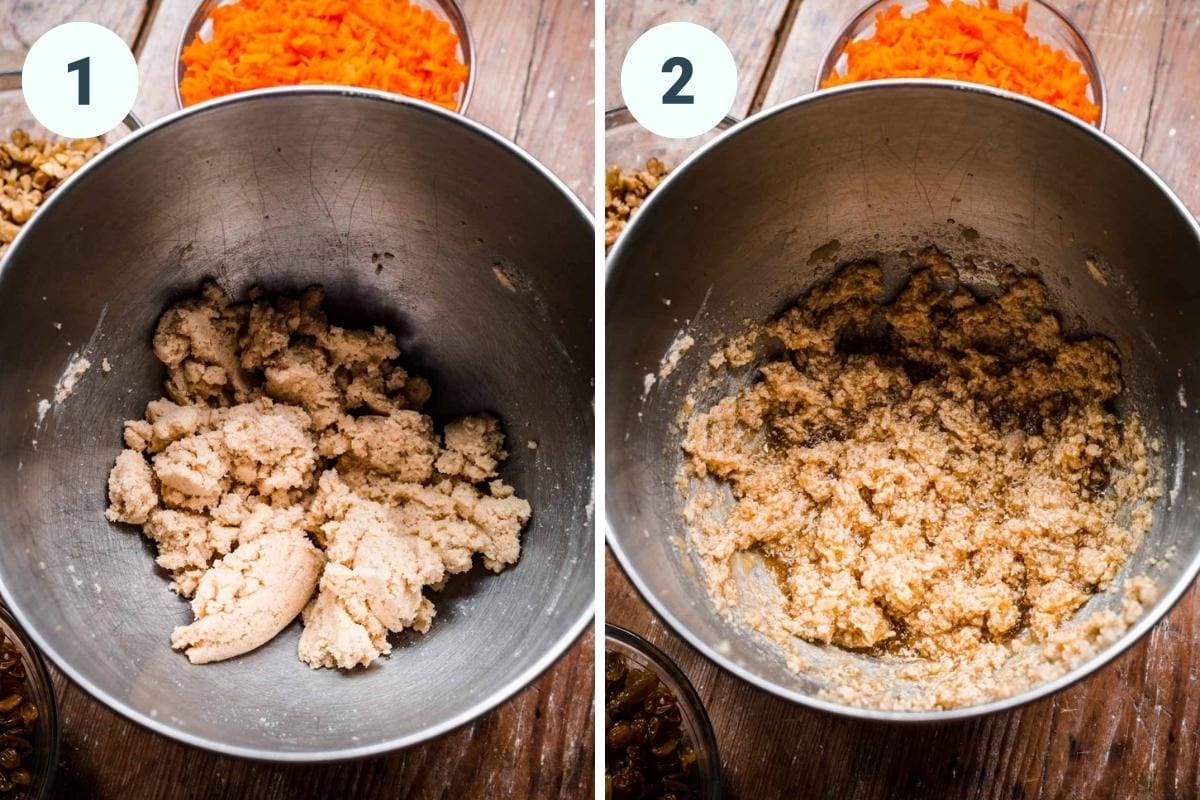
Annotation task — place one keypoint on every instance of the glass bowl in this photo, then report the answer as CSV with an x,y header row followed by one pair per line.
x,y
449,10
628,145
1044,22
696,725
44,758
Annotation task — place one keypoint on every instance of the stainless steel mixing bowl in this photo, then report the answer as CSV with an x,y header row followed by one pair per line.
x,y
755,218
486,275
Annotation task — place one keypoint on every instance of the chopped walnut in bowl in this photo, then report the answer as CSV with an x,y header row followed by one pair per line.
x,y
624,192
30,169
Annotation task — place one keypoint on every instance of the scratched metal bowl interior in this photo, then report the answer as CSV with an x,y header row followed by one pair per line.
x,y
285,189
746,226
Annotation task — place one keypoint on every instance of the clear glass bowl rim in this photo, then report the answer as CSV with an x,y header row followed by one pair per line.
x,y
451,10
678,683
38,676
617,116
1091,65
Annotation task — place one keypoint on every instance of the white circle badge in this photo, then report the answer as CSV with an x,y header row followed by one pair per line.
x,y
679,80
79,80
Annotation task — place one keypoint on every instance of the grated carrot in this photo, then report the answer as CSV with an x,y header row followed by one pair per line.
x,y
968,42
393,45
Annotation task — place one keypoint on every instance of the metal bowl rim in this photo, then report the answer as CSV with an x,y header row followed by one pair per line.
x,y
455,16
1165,603
501,693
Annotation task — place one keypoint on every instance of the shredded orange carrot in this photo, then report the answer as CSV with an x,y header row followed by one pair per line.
x,y
977,43
393,45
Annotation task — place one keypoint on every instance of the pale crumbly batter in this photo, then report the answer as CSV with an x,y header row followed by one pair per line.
x,y
289,471
940,480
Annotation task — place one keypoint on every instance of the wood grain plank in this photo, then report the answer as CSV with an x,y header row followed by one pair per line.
x,y
23,21
1172,146
504,41
538,745
750,31
816,25
557,120
156,61
1126,38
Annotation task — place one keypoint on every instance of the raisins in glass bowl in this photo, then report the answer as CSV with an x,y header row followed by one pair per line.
x,y
659,743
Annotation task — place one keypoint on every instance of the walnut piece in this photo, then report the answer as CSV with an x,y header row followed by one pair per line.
x,y
624,193
30,169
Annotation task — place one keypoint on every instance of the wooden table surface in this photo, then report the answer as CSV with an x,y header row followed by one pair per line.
x,y
534,85
1130,731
